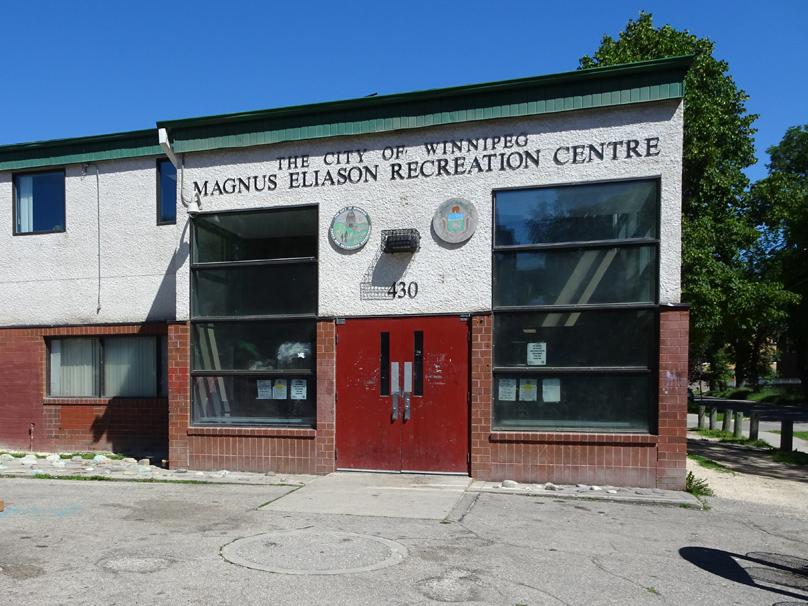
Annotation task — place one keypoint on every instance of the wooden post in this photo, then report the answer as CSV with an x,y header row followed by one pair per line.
x,y
726,426
713,417
738,431
2,505
702,418
787,436
754,426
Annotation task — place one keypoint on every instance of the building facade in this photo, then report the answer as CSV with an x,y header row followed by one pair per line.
x,y
481,280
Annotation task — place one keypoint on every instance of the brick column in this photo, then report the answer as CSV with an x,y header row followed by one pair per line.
x,y
326,388
179,401
672,445
481,379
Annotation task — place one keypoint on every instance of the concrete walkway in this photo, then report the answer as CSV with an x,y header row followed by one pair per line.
x,y
426,497
766,432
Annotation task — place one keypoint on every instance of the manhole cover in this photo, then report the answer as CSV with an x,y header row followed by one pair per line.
x,y
135,564
314,552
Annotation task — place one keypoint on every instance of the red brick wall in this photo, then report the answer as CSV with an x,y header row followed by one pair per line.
x,y
571,458
21,352
673,345
278,449
132,426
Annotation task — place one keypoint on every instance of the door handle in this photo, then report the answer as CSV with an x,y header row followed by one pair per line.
x,y
394,390
407,389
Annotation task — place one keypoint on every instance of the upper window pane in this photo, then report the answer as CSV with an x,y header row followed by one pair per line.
x,y
39,202
604,211
248,236
563,339
279,345
256,291
575,276
167,194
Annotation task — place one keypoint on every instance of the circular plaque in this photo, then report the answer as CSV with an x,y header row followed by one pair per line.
x,y
350,228
455,220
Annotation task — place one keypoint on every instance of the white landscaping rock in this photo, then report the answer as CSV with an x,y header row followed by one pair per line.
x,y
58,463
595,488
612,491
129,461
551,486
5,457
29,459
509,484
145,462
53,457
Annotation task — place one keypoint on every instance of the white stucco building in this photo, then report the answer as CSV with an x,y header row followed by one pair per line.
x,y
227,289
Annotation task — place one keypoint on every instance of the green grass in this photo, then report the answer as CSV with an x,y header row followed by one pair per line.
x,y
66,455
795,457
802,435
727,437
698,487
90,455
709,463
47,476
770,394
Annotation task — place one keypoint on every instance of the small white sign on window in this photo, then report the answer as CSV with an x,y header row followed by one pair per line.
x,y
551,390
507,390
537,354
279,389
528,390
264,389
298,389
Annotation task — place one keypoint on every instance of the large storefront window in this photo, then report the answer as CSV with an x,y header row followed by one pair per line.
x,y
253,308
575,283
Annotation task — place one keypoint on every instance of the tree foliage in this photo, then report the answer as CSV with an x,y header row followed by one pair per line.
x,y
780,205
733,303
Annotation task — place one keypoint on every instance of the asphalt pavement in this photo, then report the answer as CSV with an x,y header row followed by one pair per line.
x,y
115,543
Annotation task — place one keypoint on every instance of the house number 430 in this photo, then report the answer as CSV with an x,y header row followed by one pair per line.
x,y
399,290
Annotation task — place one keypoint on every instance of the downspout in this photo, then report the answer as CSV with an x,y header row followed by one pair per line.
x,y
84,168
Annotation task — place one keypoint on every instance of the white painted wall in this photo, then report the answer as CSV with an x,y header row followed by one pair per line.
x,y
451,279
53,278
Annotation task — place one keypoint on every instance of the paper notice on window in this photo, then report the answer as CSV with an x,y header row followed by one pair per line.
x,y
528,390
537,354
551,390
264,389
279,389
298,389
507,390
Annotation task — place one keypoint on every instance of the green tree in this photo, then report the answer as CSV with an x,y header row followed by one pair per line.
x,y
780,204
727,297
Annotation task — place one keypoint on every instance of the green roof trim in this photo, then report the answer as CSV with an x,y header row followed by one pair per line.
x,y
60,152
599,87
640,82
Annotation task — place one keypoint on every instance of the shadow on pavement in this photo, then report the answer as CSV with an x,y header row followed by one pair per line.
x,y
747,459
768,568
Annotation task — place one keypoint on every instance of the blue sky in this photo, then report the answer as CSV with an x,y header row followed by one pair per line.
x,y
80,68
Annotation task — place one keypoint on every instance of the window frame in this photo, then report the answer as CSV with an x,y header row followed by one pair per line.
x,y
160,220
556,371
38,171
160,378
194,265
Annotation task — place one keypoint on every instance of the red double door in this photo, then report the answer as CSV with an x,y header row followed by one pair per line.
x,y
402,394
